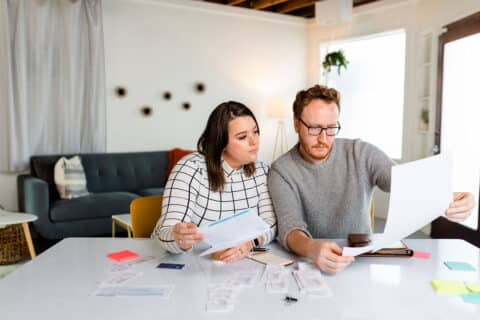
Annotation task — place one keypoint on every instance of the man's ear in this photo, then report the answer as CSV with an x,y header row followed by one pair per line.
x,y
296,125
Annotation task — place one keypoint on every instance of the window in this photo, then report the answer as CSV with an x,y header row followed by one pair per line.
x,y
372,89
457,117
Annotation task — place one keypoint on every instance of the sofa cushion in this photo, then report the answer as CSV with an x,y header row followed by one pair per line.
x,y
92,206
70,178
125,172
173,156
151,192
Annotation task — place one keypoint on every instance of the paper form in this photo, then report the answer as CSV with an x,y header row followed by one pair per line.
x,y
231,231
420,192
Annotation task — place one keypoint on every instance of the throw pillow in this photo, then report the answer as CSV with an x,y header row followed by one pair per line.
x,y
70,178
173,156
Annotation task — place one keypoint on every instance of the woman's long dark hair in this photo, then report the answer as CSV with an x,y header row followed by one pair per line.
x,y
214,139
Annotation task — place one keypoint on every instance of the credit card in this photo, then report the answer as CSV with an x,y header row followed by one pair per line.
x,y
177,266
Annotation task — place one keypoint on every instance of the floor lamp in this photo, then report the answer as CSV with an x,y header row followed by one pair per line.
x,y
278,108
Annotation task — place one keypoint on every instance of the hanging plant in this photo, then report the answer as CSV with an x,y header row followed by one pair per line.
x,y
335,59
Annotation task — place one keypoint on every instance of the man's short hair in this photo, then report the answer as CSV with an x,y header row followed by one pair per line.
x,y
304,97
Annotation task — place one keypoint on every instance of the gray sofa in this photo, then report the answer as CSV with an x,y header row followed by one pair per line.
x,y
113,180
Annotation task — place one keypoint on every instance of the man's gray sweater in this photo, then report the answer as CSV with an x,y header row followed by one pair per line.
x,y
330,199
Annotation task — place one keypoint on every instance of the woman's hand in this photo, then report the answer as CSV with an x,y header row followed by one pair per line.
x,y
186,235
236,253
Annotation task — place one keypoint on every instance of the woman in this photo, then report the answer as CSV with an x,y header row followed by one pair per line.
x,y
222,178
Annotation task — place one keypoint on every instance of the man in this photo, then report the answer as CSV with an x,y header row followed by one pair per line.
x,y
322,187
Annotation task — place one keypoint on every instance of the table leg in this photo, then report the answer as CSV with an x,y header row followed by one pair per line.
x,y
113,228
28,238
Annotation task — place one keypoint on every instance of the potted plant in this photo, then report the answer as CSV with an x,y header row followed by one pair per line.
x,y
335,59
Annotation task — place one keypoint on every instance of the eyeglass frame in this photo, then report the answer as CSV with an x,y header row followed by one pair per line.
x,y
338,127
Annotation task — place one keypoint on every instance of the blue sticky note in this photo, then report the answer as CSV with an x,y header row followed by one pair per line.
x,y
471,298
459,266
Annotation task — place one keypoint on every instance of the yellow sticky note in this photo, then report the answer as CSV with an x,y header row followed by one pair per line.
x,y
474,287
449,287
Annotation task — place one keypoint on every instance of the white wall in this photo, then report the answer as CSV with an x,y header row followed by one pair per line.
x,y
8,191
154,46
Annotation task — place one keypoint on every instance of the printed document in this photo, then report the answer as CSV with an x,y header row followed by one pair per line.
x,y
232,231
420,192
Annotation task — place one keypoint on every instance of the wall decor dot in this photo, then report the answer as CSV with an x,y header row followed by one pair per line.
x,y
121,91
147,111
200,87
186,106
167,95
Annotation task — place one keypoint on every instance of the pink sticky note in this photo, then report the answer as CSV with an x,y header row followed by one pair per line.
x,y
122,256
421,254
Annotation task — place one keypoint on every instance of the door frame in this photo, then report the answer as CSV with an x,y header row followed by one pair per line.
x,y
441,227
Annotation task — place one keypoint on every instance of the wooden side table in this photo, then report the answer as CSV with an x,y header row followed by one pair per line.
x,y
9,218
124,221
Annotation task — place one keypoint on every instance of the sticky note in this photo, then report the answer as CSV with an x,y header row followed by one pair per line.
x,y
471,298
449,287
421,254
122,256
459,266
474,287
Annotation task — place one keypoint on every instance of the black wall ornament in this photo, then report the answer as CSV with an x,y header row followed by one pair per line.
x,y
200,87
146,111
121,91
167,95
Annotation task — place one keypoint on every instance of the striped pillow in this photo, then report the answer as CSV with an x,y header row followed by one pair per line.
x,y
70,178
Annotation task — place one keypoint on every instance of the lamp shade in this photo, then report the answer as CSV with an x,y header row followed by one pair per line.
x,y
277,108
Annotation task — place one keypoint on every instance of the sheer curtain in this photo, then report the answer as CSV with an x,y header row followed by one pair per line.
x,y
52,79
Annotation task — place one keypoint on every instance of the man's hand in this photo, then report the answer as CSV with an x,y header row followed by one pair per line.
x,y
461,207
186,235
327,255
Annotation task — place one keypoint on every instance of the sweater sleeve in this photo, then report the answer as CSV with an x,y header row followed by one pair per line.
x,y
265,208
378,166
288,207
178,202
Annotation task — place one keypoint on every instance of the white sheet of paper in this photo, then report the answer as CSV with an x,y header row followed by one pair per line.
x,y
420,192
160,292
231,231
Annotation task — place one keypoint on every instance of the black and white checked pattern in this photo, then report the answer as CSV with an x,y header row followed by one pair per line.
x,y
188,198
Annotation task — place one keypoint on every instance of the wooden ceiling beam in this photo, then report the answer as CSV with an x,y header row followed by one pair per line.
x,y
307,12
263,4
235,2
294,5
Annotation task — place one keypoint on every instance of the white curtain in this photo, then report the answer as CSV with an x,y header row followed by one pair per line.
x,y
52,79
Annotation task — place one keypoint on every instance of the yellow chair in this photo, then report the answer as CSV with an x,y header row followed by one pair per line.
x,y
145,213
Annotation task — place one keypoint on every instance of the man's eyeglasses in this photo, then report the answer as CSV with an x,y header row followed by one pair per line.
x,y
316,131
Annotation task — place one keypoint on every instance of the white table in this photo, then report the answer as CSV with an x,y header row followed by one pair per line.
x,y
57,285
124,221
10,218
